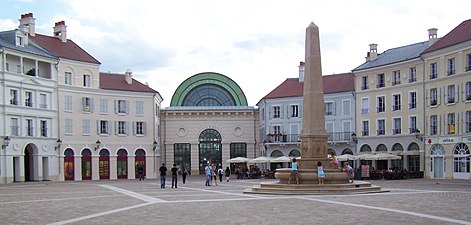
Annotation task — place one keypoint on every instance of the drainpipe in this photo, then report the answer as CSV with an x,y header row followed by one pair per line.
x,y
4,106
423,113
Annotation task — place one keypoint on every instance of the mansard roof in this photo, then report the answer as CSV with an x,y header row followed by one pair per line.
x,y
114,81
395,55
68,50
335,83
8,40
459,34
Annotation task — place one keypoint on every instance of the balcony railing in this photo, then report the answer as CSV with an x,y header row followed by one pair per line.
x,y
396,107
13,102
14,130
412,130
396,82
380,132
467,126
365,87
412,105
380,109
433,76
451,99
365,111
396,131
450,72
365,133
412,79
468,68
295,138
380,85
433,102
282,138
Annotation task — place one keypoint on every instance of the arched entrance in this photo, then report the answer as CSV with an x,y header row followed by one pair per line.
x,y
381,164
294,153
140,161
437,161
276,154
122,165
210,148
461,161
104,164
29,163
69,164
86,164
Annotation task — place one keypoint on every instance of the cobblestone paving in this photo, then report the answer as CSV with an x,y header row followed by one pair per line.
x,y
416,201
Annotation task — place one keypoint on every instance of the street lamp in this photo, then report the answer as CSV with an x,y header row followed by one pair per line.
x,y
98,143
354,138
59,143
154,145
6,142
417,135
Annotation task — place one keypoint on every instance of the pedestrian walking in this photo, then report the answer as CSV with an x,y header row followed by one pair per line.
x,y
320,172
228,173
220,172
213,174
184,173
140,171
163,174
174,175
207,170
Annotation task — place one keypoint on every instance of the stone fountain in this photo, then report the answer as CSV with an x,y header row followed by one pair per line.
x,y
313,139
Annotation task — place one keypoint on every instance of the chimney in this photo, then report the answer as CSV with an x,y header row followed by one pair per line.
x,y
373,53
128,76
60,31
301,72
27,23
432,36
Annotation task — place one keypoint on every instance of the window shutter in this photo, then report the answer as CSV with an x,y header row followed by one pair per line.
x,y
439,94
427,127
445,95
427,102
300,111
463,92
457,92
116,106
133,127
126,127
464,123
270,113
98,126
109,127
439,124
289,111
91,104
116,127
281,112
127,107
457,123
334,108
144,128
84,104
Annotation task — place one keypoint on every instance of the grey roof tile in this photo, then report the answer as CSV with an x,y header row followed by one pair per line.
x,y
395,55
8,40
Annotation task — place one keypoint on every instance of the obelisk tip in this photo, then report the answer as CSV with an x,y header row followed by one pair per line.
x,y
312,25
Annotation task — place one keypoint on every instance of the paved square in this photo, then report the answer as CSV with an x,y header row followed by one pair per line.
x,y
414,201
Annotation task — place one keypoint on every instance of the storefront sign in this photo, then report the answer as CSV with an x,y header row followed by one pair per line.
x,y
466,139
365,170
447,140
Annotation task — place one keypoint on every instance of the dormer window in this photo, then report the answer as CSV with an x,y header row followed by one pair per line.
x,y
19,41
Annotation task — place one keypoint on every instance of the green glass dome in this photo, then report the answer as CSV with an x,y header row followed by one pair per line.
x,y
208,89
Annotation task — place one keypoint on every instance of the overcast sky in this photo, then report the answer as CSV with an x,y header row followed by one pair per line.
x,y
257,43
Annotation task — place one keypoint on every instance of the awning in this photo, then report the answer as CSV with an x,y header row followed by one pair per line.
x,y
417,152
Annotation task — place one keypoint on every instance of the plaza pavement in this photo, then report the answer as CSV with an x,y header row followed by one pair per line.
x,y
415,201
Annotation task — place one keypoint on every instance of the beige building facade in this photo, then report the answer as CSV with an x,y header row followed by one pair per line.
x,y
447,88
208,121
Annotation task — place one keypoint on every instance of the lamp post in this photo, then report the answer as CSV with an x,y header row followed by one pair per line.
x,y
59,143
417,135
6,142
354,138
98,143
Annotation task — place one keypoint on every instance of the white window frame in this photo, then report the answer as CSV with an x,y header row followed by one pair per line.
x,y
276,111
68,103
294,110
413,100
412,74
68,78
68,126
87,80
365,130
396,100
139,108
365,108
378,127
396,77
346,107
43,128
379,105
14,125
28,98
451,66
103,106
329,108
397,125
86,129
451,121
412,124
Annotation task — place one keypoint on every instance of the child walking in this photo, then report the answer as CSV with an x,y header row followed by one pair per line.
x,y
320,172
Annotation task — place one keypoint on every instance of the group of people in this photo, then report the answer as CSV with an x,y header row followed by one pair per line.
x,y
320,172
174,172
214,172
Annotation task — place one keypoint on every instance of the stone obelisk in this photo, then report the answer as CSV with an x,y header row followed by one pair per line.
x,y
313,135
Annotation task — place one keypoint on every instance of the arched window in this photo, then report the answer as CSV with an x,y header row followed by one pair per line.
x,y
140,152
276,154
413,147
397,147
365,148
208,95
331,152
347,151
294,153
461,161
437,150
210,148
381,148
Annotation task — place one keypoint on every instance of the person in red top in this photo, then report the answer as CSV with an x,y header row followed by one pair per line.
x,y
174,175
